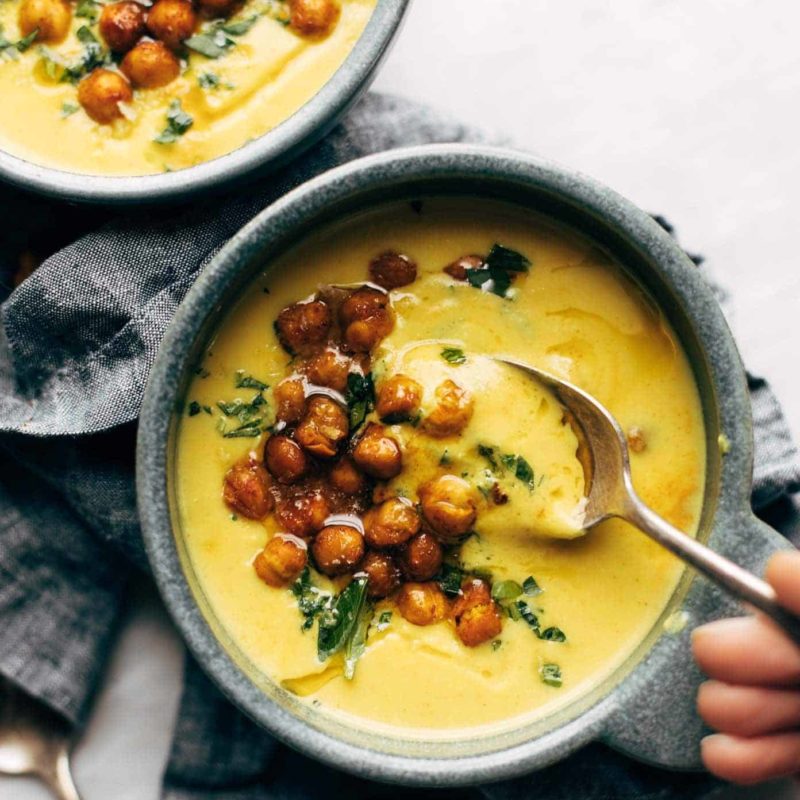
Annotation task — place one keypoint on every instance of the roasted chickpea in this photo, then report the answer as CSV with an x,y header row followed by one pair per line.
x,y
452,412
323,427
391,523
448,505
282,560
100,94
285,459
422,603
218,8
421,558
150,65
328,368
337,549
302,327
122,25
304,514
345,477
383,576
637,442
392,270
50,18
314,17
479,624
377,453
366,318
461,266
398,399
290,399
474,592
246,490
172,21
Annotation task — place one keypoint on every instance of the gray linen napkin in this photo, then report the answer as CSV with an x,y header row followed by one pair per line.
x,y
77,339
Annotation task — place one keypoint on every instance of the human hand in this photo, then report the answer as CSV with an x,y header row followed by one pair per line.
x,y
753,697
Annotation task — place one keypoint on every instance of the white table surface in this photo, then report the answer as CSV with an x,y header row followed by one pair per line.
x,y
688,109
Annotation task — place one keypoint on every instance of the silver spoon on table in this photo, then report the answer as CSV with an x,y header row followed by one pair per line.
x,y
34,741
603,451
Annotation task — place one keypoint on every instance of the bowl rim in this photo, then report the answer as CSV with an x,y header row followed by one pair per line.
x,y
396,168
267,152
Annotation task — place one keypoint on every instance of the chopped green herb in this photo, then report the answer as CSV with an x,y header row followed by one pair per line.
x,y
488,453
68,109
550,674
384,620
530,587
496,274
26,41
454,355
241,27
88,9
234,517
250,430
244,381
178,122
527,615
338,625
194,408
216,38
501,257
207,409
524,471
445,458
449,579
553,634
496,644
356,644
506,590
208,80
311,601
360,397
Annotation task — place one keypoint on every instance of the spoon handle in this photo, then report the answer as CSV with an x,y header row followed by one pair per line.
x,y
722,571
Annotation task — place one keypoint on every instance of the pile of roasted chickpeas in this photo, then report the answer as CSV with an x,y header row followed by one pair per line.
x,y
147,41
326,485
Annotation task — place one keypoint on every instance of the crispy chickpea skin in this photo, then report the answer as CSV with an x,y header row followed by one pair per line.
x,y
453,411
302,327
474,592
100,94
285,459
304,514
392,270
448,505
346,477
150,65
313,17
122,25
172,21
290,400
51,18
246,490
337,549
461,266
398,399
218,8
421,558
282,560
328,368
366,318
378,454
391,523
422,603
383,575
476,615
323,427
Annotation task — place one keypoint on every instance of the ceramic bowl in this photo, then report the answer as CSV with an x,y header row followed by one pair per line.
x,y
264,154
646,707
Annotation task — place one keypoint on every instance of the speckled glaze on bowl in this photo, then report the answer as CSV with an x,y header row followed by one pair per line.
x,y
264,154
646,708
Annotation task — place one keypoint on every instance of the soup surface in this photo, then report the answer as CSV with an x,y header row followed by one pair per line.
x,y
565,608
107,100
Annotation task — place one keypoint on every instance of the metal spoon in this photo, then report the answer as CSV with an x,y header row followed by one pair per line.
x,y
603,451
35,741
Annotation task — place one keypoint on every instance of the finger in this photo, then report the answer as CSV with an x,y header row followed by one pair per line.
x,y
748,761
747,651
783,572
748,710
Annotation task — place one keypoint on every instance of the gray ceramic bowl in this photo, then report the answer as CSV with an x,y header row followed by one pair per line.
x,y
646,708
264,154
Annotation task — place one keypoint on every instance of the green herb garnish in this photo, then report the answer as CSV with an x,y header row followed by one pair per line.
x,y
216,38
501,257
244,381
208,80
550,674
384,620
178,122
88,10
496,644
68,109
311,601
26,41
449,579
553,634
488,453
356,644
194,408
454,355
340,622
506,590
444,460
530,587
360,397
496,274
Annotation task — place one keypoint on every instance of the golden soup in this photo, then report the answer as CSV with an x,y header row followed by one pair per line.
x,y
571,607
250,69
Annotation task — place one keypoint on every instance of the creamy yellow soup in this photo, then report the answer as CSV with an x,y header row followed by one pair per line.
x,y
266,75
574,314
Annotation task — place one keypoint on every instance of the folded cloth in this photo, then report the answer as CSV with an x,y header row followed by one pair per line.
x,y
77,339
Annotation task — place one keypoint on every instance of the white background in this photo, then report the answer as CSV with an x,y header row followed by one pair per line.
x,y
689,109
